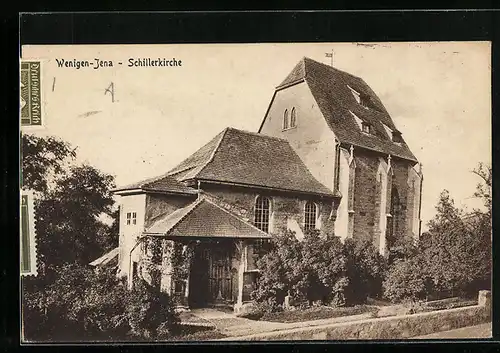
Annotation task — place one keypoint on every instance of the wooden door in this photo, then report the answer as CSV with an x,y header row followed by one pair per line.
x,y
220,276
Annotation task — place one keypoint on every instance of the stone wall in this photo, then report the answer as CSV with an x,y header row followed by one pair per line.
x,y
283,207
397,327
369,210
159,204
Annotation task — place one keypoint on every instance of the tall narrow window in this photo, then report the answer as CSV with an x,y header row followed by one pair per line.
x,y
393,219
293,118
134,218
261,217
129,215
285,119
395,210
310,216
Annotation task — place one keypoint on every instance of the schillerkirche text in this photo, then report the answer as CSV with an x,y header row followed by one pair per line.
x,y
98,63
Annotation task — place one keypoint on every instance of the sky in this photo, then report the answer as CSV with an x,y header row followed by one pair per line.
x,y
438,94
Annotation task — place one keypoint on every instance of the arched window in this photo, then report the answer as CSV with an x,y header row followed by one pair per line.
x,y
310,216
261,216
285,120
393,220
293,118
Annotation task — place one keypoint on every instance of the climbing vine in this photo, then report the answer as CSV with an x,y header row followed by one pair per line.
x,y
182,255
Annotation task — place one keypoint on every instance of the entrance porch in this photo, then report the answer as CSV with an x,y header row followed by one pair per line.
x,y
207,255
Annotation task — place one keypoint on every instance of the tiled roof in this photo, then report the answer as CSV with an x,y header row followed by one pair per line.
x,y
250,159
204,218
106,258
163,183
330,88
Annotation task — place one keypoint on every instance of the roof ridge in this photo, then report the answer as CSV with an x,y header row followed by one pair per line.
x,y
155,179
259,134
193,206
212,154
331,68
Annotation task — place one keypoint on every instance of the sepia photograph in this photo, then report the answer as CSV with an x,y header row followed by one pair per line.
x,y
255,192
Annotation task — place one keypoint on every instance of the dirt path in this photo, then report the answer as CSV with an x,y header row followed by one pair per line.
x,y
233,326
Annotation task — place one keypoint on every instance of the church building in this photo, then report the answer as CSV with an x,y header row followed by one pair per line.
x,y
327,156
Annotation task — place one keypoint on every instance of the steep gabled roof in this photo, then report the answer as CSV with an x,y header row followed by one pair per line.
x,y
331,88
162,184
204,218
250,159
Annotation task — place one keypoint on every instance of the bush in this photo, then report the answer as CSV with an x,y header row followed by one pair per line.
x,y
405,281
313,270
83,305
279,271
365,270
323,270
150,312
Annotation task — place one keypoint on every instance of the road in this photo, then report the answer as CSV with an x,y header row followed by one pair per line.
x,y
479,331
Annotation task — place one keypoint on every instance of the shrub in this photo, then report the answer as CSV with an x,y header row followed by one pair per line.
x,y
312,270
405,281
150,313
279,271
365,271
323,270
83,305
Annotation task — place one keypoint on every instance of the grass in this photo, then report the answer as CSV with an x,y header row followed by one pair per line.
x,y
196,333
192,320
315,313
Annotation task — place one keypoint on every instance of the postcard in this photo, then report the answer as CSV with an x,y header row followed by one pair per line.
x,y
255,192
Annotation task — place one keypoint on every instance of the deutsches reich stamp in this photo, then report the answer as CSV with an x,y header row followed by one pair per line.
x,y
31,94
28,235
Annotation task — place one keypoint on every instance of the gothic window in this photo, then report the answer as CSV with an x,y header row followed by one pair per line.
x,y
352,178
393,220
262,213
310,216
285,119
293,118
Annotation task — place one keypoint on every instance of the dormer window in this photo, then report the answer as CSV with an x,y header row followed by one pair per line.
x,y
363,125
364,101
356,94
396,137
361,98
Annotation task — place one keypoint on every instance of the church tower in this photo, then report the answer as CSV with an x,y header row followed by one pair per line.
x,y
345,136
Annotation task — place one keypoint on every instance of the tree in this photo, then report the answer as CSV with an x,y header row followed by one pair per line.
x,y
68,225
43,160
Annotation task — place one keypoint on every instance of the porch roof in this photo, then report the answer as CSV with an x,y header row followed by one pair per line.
x,y
105,259
204,219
